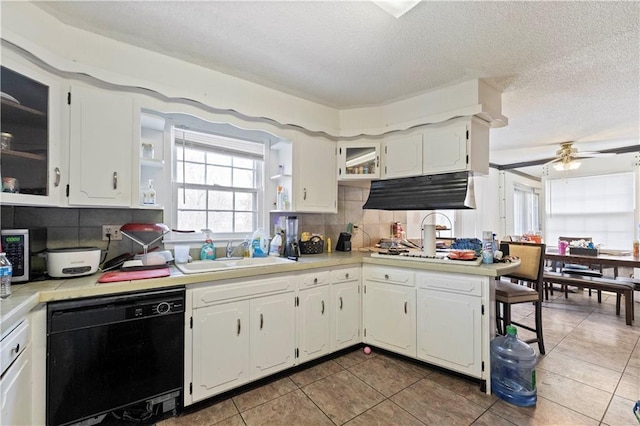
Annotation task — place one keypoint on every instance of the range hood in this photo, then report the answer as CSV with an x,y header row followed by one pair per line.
x,y
449,191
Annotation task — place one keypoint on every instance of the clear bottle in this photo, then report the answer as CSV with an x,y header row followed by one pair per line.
x,y
6,271
513,369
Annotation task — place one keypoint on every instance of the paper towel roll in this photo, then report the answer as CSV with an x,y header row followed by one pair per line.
x,y
429,240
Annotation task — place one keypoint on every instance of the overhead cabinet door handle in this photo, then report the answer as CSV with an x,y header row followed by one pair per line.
x,y
115,180
57,181
322,308
405,307
340,302
239,326
261,321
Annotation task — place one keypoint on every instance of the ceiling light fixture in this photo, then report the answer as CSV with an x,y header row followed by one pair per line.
x,y
566,164
396,8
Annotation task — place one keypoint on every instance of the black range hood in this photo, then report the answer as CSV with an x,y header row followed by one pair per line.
x,y
449,191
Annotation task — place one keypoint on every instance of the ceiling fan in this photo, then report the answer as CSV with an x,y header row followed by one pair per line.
x,y
567,156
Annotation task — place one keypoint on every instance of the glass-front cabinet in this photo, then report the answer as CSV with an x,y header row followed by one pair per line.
x,y
29,150
358,160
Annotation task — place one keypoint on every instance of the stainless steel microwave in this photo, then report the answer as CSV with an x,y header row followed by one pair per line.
x,y
22,247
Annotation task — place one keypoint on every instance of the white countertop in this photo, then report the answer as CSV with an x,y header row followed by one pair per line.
x,y
27,296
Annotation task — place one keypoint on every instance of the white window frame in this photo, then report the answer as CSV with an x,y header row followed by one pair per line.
x,y
220,144
530,207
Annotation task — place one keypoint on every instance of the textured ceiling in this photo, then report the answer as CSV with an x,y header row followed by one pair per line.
x,y
569,71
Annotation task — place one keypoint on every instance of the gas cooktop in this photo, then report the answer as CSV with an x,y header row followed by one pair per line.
x,y
421,257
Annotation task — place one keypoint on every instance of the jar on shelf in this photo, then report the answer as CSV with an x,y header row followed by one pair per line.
x,y
147,151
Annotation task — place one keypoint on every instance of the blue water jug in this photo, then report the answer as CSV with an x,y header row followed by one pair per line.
x,y
513,369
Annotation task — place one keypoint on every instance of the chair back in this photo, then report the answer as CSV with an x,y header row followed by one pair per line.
x,y
531,267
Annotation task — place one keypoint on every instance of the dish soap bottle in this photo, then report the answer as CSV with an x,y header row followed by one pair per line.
x,y
208,251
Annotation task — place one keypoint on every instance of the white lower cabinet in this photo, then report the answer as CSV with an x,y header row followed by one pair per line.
x,y
220,348
346,308
389,309
272,334
16,379
314,323
240,331
450,313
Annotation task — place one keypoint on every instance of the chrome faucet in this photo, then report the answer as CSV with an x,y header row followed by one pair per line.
x,y
232,250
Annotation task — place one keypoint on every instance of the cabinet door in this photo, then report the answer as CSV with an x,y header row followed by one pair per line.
x,y
345,319
315,183
445,149
220,348
358,160
313,323
101,138
31,119
390,317
15,391
402,156
458,346
272,334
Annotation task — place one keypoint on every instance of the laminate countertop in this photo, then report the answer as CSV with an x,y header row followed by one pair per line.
x,y
27,296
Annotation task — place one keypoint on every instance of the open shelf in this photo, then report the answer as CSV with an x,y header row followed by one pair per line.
x,y
21,154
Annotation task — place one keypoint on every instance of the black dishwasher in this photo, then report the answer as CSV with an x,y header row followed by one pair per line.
x,y
108,353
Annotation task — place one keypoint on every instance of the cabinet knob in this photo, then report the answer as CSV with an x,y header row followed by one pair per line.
x,y
17,348
346,275
386,276
315,281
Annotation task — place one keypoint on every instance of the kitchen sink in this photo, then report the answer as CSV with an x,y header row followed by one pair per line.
x,y
225,264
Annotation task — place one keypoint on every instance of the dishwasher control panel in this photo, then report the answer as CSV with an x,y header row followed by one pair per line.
x,y
163,307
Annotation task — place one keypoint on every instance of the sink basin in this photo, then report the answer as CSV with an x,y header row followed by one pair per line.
x,y
222,264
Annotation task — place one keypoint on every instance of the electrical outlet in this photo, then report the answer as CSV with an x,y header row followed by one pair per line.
x,y
114,230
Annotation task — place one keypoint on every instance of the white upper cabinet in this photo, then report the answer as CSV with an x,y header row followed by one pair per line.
x,y
456,145
31,135
101,140
402,156
315,187
358,160
305,167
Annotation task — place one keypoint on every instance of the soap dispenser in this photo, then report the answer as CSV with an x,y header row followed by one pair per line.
x,y
208,251
149,194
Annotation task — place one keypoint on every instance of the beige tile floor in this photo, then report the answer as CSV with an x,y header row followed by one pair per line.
x,y
590,375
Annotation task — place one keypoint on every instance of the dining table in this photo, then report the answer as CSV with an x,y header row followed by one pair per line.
x,y
605,260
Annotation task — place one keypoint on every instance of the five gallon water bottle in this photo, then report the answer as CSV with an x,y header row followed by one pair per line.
x,y
513,369
5,276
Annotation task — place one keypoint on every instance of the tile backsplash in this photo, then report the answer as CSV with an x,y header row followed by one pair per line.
x,y
74,227
374,224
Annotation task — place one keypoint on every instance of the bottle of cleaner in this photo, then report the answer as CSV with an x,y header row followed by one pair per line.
x,y
208,251
260,243
276,245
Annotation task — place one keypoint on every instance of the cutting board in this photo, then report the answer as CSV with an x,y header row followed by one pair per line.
x,y
115,276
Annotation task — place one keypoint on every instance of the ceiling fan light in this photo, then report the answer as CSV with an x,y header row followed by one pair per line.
x,y
396,8
567,165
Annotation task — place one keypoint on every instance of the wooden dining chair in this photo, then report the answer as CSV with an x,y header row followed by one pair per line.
x,y
524,285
